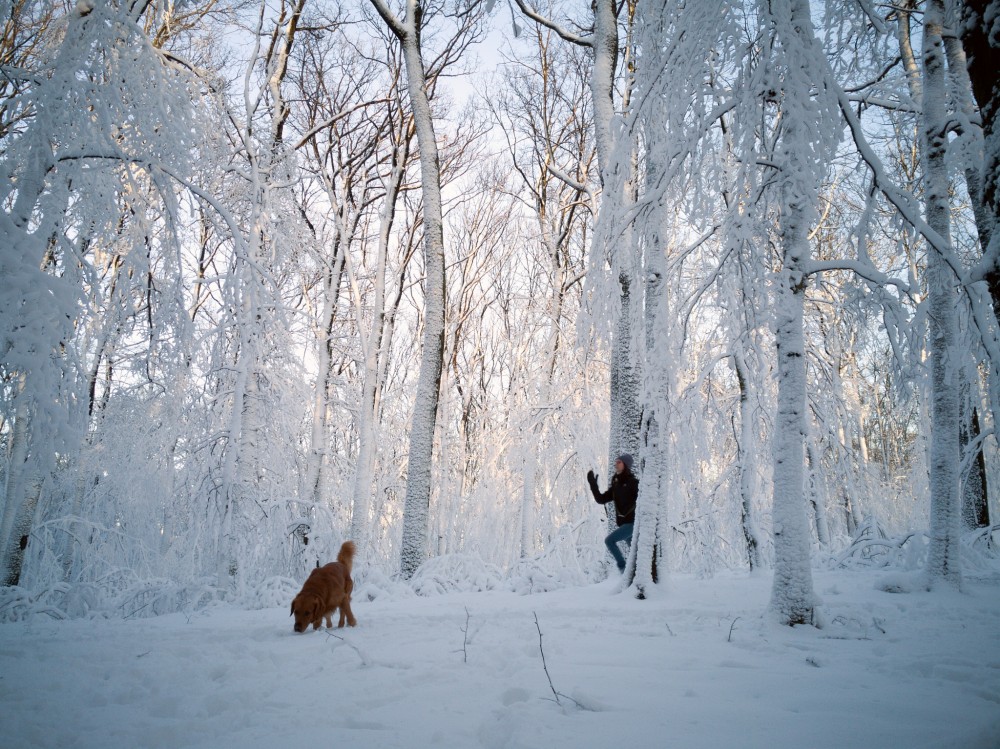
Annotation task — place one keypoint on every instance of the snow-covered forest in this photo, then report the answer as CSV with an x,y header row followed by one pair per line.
x,y
279,273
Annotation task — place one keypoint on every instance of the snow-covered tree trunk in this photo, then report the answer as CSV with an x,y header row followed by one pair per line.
x,y
944,554
969,143
625,406
647,561
15,491
968,149
745,464
792,596
647,556
800,171
602,80
626,410
419,463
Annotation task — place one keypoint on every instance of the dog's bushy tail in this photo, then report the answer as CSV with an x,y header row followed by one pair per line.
x,y
346,555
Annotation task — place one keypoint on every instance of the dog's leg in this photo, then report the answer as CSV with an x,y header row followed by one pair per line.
x,y
345,607
329,621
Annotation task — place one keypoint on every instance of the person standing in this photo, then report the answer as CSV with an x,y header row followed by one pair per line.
x,y
624,491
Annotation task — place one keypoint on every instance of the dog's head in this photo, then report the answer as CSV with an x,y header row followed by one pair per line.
x,y
305,608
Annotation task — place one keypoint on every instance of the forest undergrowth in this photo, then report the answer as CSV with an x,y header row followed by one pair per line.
x,y
902,557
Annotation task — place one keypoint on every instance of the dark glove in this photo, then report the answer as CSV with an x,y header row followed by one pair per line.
x,y
592,480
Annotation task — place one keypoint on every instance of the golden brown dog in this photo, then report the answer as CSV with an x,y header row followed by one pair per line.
x,y
327,589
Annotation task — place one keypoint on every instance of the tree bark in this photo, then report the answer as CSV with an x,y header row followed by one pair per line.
x,y
944,554
413,550
792,597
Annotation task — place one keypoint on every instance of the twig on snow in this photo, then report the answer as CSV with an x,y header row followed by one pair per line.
x,y
546,667
465,641
351,645
731,629
544,664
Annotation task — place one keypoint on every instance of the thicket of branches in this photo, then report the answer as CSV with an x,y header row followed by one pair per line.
x,y
732,238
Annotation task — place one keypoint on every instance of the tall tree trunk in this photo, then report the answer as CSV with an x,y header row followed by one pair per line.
x,y
416,504
646,562
969,146
626,411
944,554
792,597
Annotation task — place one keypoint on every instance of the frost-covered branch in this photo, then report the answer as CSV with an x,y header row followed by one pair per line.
x,y
583,41
860,268
905,203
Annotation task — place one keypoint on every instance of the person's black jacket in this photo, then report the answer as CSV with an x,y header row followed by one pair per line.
x,y
624,490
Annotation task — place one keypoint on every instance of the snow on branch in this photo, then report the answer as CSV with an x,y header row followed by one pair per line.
x,y
858,267
583,41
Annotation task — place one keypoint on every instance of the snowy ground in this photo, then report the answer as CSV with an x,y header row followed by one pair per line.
x,y
697,666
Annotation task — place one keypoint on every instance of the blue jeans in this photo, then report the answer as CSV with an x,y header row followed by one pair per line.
x,y
621,533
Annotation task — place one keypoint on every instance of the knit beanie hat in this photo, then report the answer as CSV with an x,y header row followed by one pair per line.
x,y
626,459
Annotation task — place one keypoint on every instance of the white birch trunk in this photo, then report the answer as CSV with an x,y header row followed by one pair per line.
x,y
646,563
792,596
944,554
240,477
602,80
